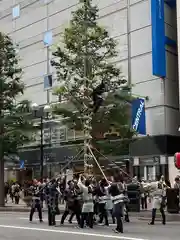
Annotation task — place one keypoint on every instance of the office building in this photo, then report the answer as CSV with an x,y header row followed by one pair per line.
x,y
146,32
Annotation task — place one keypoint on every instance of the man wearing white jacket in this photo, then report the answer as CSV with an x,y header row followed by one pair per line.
x,y
158,201
88,205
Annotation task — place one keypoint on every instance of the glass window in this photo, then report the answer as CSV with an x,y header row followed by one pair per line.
x,y
54,135
150,173
16,11
48,38
58,134
158,171
47,135
62,134
47,81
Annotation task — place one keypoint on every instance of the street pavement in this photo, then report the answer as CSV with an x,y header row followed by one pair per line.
x,y
15,226
143,215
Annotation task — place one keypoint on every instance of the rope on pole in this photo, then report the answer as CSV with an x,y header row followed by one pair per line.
x,y
59,174
97,163
112,162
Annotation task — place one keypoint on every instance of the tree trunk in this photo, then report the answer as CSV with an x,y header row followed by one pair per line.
x,y
2,202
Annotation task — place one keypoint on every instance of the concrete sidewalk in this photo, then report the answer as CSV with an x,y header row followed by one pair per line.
x,y
22,207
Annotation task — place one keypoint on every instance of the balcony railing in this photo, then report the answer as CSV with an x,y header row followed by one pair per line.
x,y
55,135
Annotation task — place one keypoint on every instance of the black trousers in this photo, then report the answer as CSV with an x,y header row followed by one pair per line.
x,y
119,222
118,214
88,217
12,197
144,202
162,214
103,213
112,215
16,198
71,217
75,212
51,216
33,209
96,207
126,215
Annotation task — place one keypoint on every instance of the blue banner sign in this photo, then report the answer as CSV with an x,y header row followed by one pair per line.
x,y
158,38
139,116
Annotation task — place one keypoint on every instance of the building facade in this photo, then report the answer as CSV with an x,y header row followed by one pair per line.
x,y
146,33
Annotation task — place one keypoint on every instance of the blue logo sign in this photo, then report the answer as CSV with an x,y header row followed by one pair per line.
x,y
158,38
21,164
139,116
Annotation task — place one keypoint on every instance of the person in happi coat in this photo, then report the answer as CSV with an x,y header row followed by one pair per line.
x,y
119,199
158,193
36,203
52,200
88,204
77,203
70,196
103,198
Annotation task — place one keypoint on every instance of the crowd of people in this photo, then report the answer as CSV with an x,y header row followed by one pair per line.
x,y
86,199
13,191
90,200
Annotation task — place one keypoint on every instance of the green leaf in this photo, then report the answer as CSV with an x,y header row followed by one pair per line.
x,y
16,127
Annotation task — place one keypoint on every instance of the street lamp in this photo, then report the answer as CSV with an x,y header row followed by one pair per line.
x,y
46,109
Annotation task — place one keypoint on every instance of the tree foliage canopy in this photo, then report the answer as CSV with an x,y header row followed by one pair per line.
x,y
15,124
83,60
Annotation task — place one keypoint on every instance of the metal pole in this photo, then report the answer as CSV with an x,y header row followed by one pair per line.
x,y
50,171
42,151
129,43
48,53
85,85
129,66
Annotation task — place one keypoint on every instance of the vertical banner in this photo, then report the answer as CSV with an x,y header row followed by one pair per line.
x,y
139,116
158,38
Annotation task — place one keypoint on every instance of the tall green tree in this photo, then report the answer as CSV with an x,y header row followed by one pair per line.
x,y
15,123
83,61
